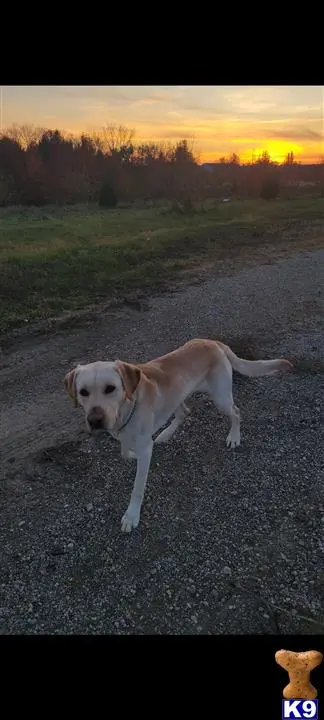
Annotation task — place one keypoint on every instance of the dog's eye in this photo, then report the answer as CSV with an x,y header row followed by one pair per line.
x,y
84,392
109,389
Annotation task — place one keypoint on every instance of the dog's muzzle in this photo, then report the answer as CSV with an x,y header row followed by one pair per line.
x,y
96,418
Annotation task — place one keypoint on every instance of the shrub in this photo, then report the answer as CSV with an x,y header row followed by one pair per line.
x,y
270,188
107,196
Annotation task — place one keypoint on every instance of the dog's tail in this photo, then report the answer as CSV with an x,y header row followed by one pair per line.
x,y
255,368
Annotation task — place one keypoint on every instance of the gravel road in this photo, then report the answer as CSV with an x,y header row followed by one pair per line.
x,y
230,541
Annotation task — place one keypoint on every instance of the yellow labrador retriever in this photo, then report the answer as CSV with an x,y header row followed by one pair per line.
x,y
132,402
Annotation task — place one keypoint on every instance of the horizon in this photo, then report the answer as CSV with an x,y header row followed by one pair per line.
x,y
220,120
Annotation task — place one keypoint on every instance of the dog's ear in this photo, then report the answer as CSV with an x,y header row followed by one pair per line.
x,y
69,384
130,375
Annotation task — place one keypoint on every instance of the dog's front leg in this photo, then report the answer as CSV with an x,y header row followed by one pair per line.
x,y
179,417
132,515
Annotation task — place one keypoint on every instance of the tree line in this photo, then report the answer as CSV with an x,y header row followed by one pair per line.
x,y
41,166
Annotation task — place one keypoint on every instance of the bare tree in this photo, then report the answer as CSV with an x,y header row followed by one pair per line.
x,y
234,159
231,160
116,137
290,159
26,134
97,141
264,158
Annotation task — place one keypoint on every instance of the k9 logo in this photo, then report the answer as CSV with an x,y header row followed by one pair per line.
x,y
305,709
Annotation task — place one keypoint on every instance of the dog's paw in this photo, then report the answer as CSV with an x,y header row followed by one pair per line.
x,y
130,520
233,440
128,455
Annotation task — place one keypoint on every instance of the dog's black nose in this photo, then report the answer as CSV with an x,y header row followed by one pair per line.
x,y
96,418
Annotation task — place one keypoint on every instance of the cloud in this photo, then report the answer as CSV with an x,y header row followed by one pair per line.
x,y
305,134
91,92
154,98
147,101
255,106
176,134
204,109
92,108
307,108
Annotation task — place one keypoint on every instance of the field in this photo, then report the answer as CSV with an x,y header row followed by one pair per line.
x,y
230,541
61,260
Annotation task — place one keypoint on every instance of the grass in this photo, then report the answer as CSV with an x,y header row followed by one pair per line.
x,y
54,260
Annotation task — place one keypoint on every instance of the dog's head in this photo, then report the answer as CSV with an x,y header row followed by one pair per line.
x,y
101,388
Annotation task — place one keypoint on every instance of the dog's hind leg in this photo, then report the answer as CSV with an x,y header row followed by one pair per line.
x,y
179,417
219,388
234,436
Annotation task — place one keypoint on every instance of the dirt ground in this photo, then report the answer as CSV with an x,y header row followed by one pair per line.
x,y
229,541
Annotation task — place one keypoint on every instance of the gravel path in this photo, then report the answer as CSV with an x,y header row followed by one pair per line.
x,y
229,541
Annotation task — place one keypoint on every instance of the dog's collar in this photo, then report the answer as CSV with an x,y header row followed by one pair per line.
x,y
128,419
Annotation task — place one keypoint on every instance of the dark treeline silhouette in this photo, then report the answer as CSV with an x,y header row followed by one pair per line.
x,y
39,167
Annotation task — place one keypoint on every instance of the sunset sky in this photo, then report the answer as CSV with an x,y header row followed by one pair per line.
x,y
222,119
